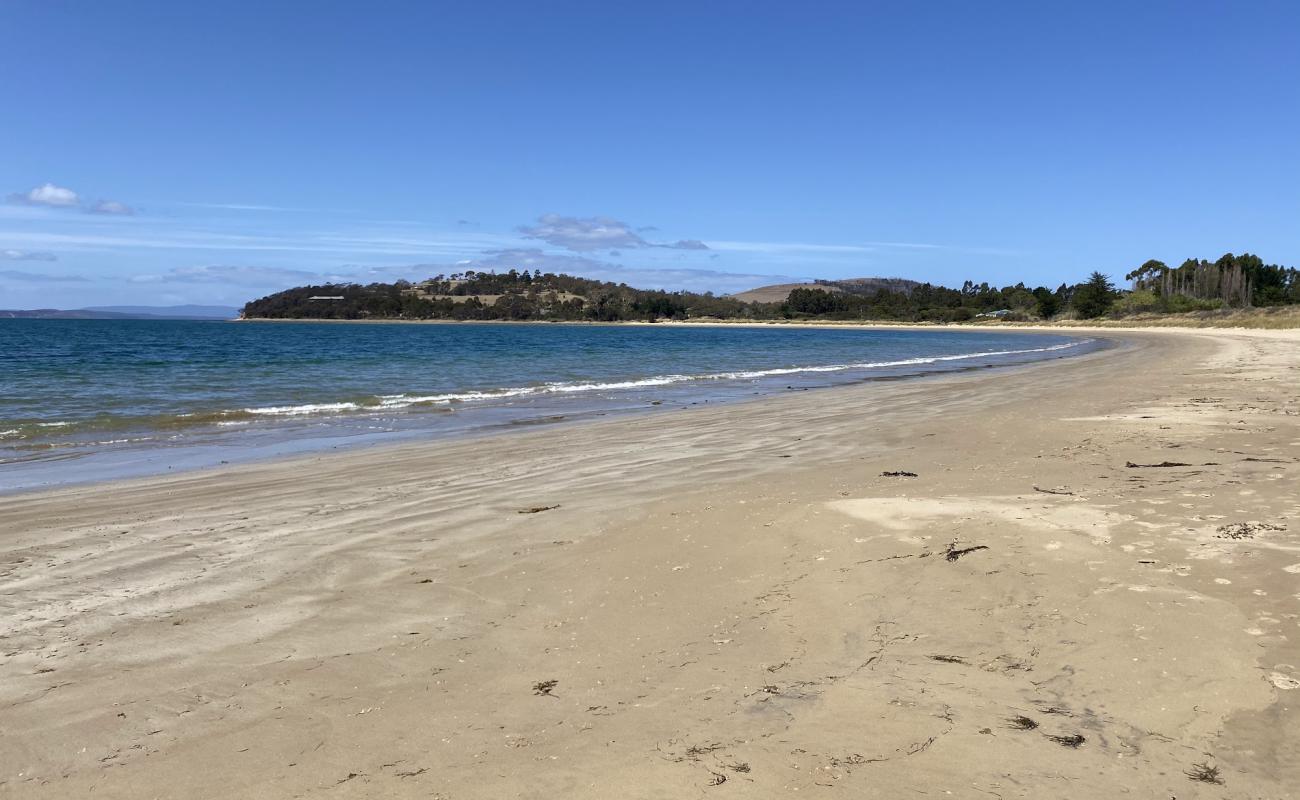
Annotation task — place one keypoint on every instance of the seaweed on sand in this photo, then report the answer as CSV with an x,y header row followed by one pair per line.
x,y
1205,773
1072,741
536,509
953,553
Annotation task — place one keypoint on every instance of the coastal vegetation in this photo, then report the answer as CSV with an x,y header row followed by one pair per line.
x,y
1231,282
513,295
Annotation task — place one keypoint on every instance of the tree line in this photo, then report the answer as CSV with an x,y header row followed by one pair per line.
x,y
1231,281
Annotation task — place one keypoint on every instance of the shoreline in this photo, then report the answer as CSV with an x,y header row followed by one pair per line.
x,y
204,459
1167,322
347,423
725,586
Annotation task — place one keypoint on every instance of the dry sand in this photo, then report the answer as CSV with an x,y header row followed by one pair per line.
x,y
727,601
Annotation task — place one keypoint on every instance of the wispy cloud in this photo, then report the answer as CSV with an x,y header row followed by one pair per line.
x,y
238,275
27,255
37,277
687,244
587,234
785,248
261,207
789,247
236,256
47,194
670,278
274,278
111,207
349,244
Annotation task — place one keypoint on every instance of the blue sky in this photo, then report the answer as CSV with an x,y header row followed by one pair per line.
x,y
164,152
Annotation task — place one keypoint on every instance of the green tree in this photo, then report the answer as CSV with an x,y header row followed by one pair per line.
x,y
1048,304
1094,297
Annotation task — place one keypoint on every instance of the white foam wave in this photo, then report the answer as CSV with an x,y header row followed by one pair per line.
x,y
309,408
395,401
401,400
907,362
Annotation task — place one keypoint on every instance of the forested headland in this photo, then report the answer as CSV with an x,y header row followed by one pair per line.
x,y
1196,285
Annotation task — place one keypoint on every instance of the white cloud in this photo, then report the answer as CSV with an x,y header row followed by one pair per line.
x,y
47,195
27,255
111,207
583,233
586,234
51,196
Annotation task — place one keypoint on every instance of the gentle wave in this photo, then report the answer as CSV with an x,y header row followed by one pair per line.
x,y
397,401
448,401
309,408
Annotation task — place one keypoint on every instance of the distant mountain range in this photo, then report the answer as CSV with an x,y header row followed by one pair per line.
x,y
126,312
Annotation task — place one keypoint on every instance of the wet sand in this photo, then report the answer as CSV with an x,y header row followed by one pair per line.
x,y
728,600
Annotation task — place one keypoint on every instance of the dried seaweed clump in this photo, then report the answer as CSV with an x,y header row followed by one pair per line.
x,y
1205,773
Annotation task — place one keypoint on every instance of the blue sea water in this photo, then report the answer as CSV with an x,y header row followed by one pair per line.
x,y
88,399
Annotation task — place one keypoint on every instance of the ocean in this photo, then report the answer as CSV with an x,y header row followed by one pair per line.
x,y
84,400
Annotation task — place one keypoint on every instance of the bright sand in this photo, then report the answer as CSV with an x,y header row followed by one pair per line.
x,y
730,601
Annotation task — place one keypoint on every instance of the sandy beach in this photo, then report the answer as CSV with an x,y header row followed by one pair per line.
x,y
1090,588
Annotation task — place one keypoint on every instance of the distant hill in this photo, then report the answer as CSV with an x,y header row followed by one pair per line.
x,y
125,312
523,295
513,295
778,292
